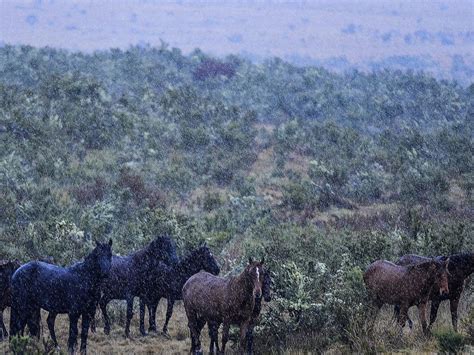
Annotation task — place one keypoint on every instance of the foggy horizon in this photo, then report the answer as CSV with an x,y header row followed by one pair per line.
x,y
436,37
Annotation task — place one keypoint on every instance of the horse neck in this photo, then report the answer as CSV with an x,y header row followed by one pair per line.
x,y
257,306
464,264
242,285
187,266
420,275
86,269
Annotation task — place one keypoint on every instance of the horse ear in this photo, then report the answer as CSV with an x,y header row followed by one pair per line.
x,y
110,242
250,260
262,261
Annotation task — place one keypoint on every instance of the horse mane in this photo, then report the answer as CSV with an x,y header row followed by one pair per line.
x,y
462,257
4,263
423,265
185,261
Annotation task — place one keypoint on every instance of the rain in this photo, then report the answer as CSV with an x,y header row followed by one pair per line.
x,y
266,177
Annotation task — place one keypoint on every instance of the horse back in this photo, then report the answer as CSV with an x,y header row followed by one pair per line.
x,y
385,280
48,286
410,259
205,294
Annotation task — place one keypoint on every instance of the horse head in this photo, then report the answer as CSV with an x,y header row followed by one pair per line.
x,y
440,271
101,258
442,275
163,249
255,272
206,260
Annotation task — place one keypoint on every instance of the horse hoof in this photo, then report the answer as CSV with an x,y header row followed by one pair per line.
x,y
167,336
152,330
107,331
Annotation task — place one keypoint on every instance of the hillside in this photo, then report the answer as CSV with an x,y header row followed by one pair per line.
x,y
322,173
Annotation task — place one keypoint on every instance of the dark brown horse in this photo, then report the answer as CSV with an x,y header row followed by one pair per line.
x,y
129,276
167,282
406,286
7,268
209,298
459,268
266,295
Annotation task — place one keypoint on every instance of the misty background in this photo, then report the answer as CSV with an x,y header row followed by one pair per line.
x,y
433,36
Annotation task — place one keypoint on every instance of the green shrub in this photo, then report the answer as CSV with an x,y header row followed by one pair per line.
x,y
22,345
450,341
468,324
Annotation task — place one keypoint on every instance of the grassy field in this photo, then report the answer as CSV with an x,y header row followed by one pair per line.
x,y
386,336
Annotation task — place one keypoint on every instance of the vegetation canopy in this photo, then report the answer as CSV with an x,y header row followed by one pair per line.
x,y
322,173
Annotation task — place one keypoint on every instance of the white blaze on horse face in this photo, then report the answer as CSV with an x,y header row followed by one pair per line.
x,y
258,274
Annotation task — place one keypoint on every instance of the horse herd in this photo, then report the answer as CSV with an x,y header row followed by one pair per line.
x,y
152,273
156,272
414,280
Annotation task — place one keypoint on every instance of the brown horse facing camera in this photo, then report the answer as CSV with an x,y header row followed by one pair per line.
x,y
406,286
209,298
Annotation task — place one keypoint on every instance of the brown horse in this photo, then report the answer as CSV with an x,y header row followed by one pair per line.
x,y
459,268
209,298
7,268
406,286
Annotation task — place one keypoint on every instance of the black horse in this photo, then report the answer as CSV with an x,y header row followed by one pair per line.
x,y
7,268
460,266
74,290
168,283
130,276
266,295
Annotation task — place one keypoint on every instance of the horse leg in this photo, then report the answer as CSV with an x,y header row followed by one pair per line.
x,y
142,316
71,342
422,311
396,312
169,313
2,325
373,312
453,306
200,323
129,315
50,320
86,319
33,322
152,316
17,321
92,322
103,307
195,330
225,335
249,337
434,310
243,335
213,336
403,315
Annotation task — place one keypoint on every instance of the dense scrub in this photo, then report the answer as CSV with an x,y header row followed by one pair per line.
x,y
322,173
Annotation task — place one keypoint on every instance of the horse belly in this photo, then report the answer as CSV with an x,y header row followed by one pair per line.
x,y
55,300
